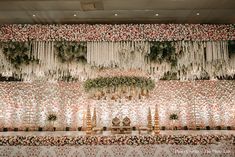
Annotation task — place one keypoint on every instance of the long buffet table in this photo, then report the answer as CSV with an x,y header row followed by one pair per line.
x,y
72,143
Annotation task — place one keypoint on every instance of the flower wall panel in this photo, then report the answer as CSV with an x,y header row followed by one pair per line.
x,y
121,32
202,103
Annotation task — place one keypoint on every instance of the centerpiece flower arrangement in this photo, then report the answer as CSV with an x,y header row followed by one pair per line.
x,y
51,118
173,118
118,87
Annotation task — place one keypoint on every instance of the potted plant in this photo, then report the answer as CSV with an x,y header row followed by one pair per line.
x,y
218,127
173,118
105,128
67,128
198,128
80,128
5,129
134,128
163,128
51,119
40,128
27,129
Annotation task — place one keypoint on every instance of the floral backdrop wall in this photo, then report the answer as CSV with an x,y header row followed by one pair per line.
x,y
122,32
44,55
202,103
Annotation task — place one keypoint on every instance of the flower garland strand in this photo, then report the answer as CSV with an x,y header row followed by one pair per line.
x,y
116,140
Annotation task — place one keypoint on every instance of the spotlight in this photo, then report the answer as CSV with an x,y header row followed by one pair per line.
x,y
115,14
198,14
156,14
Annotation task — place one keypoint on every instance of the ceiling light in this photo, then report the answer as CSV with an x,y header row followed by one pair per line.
x,y
74,15
156,14
115,14
198,14
34,15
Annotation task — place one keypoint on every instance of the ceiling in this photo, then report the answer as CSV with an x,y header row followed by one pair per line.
x,y
127,11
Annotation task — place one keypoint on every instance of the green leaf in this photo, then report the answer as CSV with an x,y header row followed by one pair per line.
x,y
162,51
71,51
17,52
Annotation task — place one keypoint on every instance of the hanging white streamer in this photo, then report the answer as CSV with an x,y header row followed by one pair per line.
x,y
195,59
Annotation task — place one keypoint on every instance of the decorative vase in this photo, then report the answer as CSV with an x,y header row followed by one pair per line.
x,y
144,92
80,128
173,124
40,129
51,126
5,129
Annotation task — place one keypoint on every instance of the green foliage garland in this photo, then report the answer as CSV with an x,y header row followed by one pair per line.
x,y
113,82
163,51
71,51
18,53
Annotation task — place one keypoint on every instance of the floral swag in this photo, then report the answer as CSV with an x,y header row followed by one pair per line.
x,y
119,87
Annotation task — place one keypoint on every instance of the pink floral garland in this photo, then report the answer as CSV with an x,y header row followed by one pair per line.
x,y
115,140
122,32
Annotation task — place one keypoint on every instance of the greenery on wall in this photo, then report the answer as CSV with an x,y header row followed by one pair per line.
x,y
163,51
71,51
18,53
114,82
